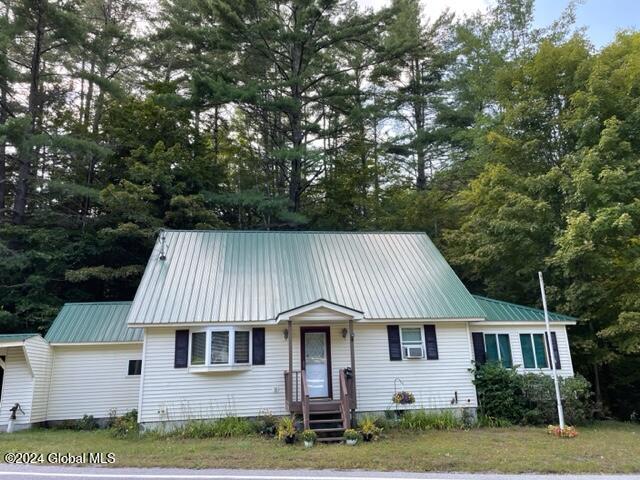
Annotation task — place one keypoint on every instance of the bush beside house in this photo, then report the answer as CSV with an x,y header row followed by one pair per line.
x,y
529,399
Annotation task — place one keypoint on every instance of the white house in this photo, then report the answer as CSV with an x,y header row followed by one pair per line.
x,y
320,324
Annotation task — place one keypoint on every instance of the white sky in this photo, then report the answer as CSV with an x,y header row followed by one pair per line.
x,y
434,7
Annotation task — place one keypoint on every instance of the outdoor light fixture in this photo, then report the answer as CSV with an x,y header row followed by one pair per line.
x,y
344,333
285,332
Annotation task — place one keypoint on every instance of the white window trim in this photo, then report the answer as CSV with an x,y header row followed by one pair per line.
x,y
231,364
415,343
533,346
498,344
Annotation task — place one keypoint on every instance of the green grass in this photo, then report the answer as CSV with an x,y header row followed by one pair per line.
x,y
604,447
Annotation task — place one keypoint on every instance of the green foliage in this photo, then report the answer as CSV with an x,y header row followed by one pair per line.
x,y
514,146
425,420
369,429
308,435
87,422
266,424
126,426
286,428
223,427
499,391
530,399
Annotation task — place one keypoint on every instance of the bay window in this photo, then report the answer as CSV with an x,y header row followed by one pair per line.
x,y
220,346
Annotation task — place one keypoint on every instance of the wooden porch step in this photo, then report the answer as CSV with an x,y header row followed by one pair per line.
x,y
325,420
329,439
329,430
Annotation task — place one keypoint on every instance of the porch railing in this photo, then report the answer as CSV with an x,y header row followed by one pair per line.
x,y
305,399
346,397
296,393
292,393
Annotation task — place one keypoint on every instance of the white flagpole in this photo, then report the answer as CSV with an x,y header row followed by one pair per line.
x,y
552,357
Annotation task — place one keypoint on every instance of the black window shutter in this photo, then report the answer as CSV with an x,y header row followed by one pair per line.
x,y
258,346
432,342
181,358
556,351
478,347
395,349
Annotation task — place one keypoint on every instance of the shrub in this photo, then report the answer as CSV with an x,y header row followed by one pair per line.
x,y
266,424
530,399
499,392
87,422
126,425
540,399
286,428
423,420
369,429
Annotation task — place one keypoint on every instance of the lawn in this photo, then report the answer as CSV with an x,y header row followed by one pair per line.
x,y
604,447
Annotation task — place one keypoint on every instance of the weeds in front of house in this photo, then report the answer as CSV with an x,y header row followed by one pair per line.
x,y
266,424
225,427
369,430
424,420
287,430
125,426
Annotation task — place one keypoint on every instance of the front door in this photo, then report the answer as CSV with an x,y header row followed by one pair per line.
x,y
316,360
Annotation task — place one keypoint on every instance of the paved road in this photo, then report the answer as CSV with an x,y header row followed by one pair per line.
x,y
27,472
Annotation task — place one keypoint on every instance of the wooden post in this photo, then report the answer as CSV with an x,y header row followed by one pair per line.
x,y
353,368
290,338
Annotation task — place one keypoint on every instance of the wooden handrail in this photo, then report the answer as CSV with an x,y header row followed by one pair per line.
x,y
345,403
292,388
304,390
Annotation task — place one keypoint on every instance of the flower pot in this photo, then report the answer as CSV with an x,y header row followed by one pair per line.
x,y
308,443
289,440
351,441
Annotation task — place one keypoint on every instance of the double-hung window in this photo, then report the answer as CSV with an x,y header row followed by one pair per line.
x,y
498,348
220,346
412,342
534,350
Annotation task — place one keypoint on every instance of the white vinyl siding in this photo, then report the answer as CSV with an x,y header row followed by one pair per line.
x,y
170,393
93,380
40,358
514,332
17,386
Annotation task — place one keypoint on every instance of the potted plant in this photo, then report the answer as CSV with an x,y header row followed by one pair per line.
x,y
287,430
370,431
351,436
403,398
309,438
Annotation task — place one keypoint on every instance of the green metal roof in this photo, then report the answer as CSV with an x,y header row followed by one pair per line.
x,y
499,311
232,276
15,337
95,322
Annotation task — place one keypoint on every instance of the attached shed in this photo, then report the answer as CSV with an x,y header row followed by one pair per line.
x,y
97,361
25,363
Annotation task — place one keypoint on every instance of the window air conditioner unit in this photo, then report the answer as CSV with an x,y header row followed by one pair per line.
x,y
413,352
